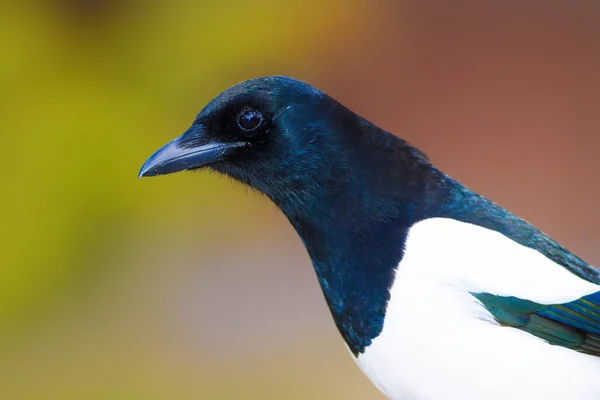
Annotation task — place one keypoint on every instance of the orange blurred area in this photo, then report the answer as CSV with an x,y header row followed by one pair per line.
x,y
191,286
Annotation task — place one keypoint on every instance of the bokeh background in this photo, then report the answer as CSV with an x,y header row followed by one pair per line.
x,y
189,286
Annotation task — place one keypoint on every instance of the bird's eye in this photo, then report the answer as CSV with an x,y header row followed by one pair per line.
x,y
250,120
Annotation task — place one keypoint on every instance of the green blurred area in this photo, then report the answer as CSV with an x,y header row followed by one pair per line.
x,y
89,90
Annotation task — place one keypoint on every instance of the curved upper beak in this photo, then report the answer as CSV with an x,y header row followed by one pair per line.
x,y
178,155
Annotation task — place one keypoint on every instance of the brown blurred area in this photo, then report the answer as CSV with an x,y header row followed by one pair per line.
x,y
200,288
504,96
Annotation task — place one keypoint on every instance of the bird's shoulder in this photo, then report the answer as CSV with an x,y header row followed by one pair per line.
x,y
520,275
453,203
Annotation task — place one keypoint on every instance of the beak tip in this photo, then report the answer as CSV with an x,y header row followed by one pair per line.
x,y
144,171
148,170
151,167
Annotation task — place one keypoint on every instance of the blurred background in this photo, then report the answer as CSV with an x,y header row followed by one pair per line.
x,y
190,286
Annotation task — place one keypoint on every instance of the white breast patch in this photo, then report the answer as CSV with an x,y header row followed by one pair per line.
x,y
439,343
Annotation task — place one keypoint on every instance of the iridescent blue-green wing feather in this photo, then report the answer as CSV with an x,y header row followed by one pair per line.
x,y
575,325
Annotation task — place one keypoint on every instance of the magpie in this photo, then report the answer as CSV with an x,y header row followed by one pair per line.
x,y
438,292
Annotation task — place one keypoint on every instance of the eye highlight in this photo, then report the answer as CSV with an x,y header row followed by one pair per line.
x,y
250,120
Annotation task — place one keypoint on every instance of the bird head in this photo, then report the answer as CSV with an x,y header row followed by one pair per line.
x,y
300,147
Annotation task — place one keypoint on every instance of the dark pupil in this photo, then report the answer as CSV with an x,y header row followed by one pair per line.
x,y
250,120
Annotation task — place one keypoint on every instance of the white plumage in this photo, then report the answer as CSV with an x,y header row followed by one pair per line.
x,y
439,342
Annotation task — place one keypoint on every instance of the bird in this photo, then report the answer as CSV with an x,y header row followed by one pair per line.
x,y
437,291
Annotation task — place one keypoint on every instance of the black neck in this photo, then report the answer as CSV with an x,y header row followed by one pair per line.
x,y
355,271
355,231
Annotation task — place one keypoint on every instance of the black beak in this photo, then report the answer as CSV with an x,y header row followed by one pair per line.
x,y
178,155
